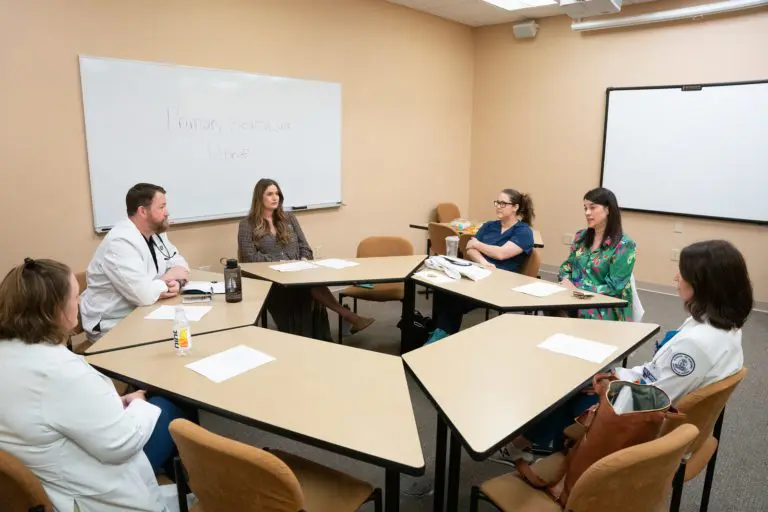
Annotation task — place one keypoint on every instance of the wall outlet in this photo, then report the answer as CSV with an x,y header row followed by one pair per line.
x,y
678,226
567,239
675,255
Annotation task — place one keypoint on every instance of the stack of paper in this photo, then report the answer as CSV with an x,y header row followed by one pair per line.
x,y
194,313
230,363
293,266
578,347
474,272
336,263
204,286
541,289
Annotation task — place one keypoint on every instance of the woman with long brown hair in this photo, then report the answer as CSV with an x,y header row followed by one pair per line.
x,y
269,233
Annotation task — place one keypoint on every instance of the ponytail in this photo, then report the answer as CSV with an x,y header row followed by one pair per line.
x,y
524,203
526,212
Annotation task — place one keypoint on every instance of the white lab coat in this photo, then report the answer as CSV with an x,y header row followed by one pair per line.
x,y
122,276
67,424
698,355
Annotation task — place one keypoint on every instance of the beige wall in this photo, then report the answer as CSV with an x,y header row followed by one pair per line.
x,y
535,123
539,112
407,99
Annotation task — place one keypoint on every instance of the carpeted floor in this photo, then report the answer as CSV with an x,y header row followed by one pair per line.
x,y
740,481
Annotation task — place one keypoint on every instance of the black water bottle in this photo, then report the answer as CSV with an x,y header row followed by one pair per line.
x,y
233,281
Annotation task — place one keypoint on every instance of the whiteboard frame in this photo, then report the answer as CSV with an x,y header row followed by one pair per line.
x,y
683,87
223,216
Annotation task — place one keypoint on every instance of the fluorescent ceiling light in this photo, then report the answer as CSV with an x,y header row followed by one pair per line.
x,y
514,5
692,12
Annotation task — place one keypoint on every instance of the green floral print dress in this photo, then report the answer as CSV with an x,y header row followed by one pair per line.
x,y
607,270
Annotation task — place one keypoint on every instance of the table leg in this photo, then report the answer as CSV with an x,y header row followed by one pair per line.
x,y
440,453
409,304
454,472
429,248
392,491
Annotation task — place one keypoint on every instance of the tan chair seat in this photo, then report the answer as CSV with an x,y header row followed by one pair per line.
x,y
700,458
511,492
197,507
326,489
383,292
574,431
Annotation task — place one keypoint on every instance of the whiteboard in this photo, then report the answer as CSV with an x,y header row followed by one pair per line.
x,y
207,136
690,150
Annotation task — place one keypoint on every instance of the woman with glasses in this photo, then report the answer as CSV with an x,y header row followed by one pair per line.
x,y
504,243
602,256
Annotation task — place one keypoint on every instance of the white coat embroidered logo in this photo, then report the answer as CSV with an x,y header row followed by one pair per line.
x,y
683,364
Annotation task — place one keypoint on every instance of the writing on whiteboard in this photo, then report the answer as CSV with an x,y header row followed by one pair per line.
x,y
216,152
176,121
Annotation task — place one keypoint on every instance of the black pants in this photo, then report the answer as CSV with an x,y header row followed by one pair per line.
x,y
450,310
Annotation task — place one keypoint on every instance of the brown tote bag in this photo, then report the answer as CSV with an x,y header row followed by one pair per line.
x,y
607,431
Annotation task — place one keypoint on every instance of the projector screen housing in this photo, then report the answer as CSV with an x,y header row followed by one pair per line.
x,y
689,150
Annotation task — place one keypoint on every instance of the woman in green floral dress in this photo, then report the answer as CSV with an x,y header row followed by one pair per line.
x,y
602,257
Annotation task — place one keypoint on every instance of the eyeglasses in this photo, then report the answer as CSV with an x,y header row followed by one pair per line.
x,y
501,204
164,251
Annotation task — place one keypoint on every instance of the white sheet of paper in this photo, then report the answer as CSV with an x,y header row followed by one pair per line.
x,y
293,266
336,263
543,289
434,276
194,313
205,286
578,347
230,363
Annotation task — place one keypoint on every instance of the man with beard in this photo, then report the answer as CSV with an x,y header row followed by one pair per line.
x,y
135,264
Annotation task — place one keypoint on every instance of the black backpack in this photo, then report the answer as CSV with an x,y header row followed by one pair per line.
x,y
420,331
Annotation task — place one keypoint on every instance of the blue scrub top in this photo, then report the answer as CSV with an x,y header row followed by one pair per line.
x,y
520,234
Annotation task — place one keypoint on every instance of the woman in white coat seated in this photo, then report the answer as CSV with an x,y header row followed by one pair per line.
x,y
63,419
714,286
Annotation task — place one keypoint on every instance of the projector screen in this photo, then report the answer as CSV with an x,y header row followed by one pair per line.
x,y
698,151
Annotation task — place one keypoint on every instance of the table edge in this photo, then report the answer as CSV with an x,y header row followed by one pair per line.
x,y
483,455
338,282
512,309
144,343
283,432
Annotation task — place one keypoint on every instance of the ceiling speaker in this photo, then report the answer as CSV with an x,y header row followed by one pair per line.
x,y
526,29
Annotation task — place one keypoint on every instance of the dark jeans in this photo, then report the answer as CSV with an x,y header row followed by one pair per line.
x,y
549,431
160,449
449,311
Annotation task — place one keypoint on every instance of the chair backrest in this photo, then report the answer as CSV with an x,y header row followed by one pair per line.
x,y
82,283
437,233
463,241
228,475
374,246
446,212
532,263
703,406
636,479
638,312
20,490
